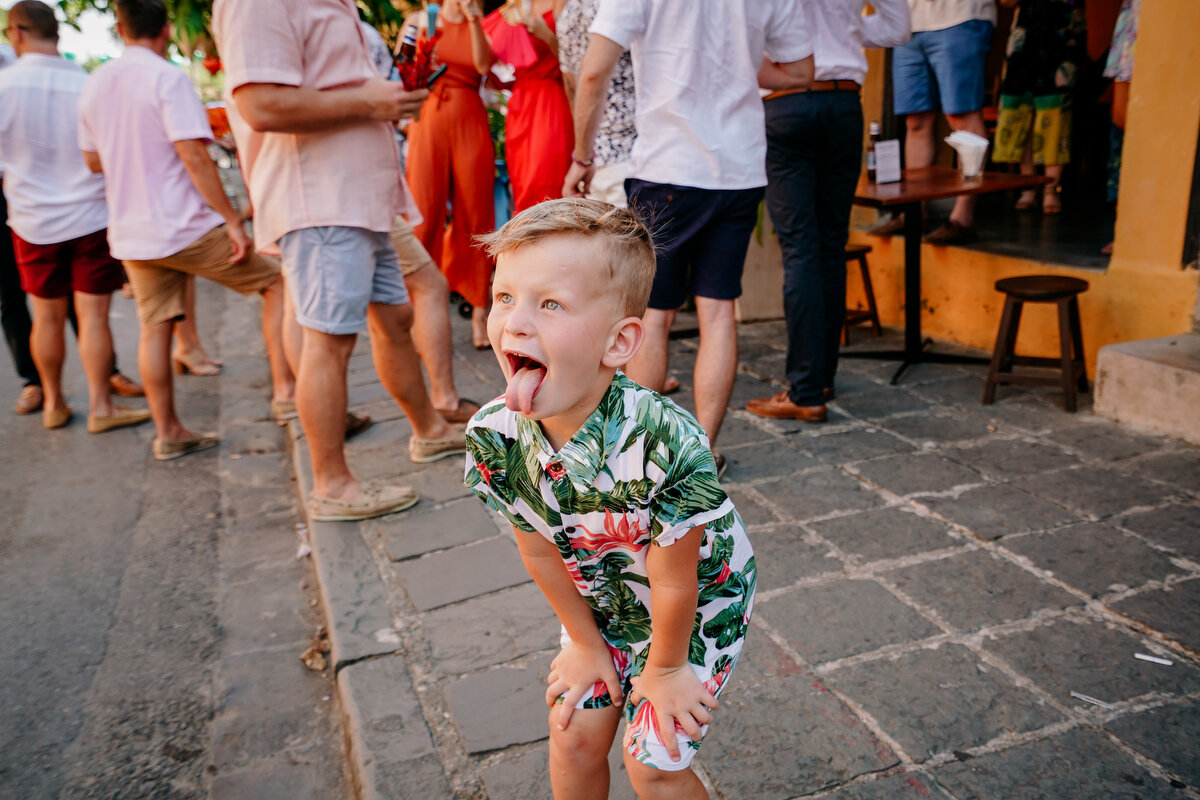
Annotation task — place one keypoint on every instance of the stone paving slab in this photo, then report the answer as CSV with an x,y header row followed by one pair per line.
x,y
1175,526
486,631
942,699
809,741
1180,469
433,526
844,618
501,707
1105,442
916,473
886,533
1099,491
1158,734
978,589
1011,458
452,575
749,462
783,558
856,444
1079,764
1174,610
389,739
1095,558
819,494
905,786
994,511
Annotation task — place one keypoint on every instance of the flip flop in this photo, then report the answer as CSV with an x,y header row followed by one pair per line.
x,y
670,386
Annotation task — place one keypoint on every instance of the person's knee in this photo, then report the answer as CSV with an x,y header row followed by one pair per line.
x,y
50,311
920,122
650,781
576,749
324,346
428,283
969,121
390,321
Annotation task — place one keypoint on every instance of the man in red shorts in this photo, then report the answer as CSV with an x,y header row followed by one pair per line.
x,y
58,218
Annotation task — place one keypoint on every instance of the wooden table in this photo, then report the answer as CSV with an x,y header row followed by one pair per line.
x,y
916,187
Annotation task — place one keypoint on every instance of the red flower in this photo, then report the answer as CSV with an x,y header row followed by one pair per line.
x,y
555,470
723,576
621,533
484,472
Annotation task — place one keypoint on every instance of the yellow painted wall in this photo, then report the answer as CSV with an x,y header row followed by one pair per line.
x,y
1146,292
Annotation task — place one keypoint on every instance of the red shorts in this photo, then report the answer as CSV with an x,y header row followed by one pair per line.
x,y
79,265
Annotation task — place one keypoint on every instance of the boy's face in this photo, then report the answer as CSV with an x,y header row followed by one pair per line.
x,y
555,327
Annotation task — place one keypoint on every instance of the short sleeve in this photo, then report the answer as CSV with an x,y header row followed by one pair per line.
x,y
787,35
183,114
622,21
690,495
257,42
485,475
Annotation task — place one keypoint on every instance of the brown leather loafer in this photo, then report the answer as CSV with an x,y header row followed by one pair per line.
x,y
462,413
31,400
125,386
778,406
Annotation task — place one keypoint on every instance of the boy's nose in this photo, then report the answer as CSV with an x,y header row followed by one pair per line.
x,y
517,322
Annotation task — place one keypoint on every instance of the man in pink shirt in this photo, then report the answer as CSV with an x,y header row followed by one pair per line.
x,y
326,186
142,124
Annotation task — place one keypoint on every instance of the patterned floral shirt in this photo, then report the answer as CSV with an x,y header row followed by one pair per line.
x,y
637,474
614,138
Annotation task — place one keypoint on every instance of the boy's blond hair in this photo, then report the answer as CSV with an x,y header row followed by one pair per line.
x,y
629,251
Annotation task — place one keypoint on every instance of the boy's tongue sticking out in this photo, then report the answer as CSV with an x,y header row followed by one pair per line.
x,y
524,384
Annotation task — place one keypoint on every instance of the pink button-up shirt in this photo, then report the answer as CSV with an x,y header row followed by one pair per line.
x,y
347,176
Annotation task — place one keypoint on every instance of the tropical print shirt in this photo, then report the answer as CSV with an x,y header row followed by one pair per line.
x,y
637,474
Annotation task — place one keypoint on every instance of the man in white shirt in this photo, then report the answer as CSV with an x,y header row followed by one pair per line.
x,y
814,156
142,124
941,68
58,218
697,171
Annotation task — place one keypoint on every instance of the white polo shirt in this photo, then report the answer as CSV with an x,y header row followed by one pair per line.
x,y
52,196
695,66
840,32
937,15
132,111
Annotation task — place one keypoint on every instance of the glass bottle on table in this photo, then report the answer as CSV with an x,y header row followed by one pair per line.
x,y
873,137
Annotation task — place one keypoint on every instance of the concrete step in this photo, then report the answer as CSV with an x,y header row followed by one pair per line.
x,y
1152,384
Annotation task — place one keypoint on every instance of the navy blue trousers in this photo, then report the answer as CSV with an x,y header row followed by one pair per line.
x,y
814,155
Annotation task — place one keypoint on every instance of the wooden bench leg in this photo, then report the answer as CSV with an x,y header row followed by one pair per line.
x,y
1002,352
1065,339
1077,343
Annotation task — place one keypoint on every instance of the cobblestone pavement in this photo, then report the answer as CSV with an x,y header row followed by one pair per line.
x,y
939,583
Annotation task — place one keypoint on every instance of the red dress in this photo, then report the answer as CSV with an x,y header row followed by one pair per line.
x,y
539,132
451,160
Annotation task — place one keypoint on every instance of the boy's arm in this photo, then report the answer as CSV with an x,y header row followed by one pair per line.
x,y
586,659
203,172
667,681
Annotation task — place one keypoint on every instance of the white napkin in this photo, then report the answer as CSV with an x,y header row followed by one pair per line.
x,y
971,148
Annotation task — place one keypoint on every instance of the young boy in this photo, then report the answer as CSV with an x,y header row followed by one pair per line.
x,y
613,495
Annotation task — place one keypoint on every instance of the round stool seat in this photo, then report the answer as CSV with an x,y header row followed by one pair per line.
x,y
855,250
1041,288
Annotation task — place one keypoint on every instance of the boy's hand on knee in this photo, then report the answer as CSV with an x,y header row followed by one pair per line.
x,y
677,696
574,671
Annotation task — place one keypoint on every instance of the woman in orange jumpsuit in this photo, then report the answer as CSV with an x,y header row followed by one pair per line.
x,y
539,132
451,160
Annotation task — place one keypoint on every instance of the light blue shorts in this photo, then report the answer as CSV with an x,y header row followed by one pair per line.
x,y
942,69
334,273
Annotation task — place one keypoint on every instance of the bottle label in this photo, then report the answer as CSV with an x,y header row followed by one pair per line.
x,y
870,161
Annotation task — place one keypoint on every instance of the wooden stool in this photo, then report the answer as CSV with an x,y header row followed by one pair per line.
x,y
856,316
1057,289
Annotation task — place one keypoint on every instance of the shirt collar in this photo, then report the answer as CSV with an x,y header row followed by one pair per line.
x,y
585,454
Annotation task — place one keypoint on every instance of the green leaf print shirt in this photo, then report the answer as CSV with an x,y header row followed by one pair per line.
x,y
637,474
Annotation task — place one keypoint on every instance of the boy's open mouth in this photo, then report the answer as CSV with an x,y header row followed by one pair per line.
x,y
527,376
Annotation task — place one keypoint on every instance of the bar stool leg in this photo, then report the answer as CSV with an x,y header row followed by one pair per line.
x,y
866,281
1004,338
1077,343
1065,339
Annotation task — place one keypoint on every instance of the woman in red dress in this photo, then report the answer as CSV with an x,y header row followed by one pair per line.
x,y
451,160
539,132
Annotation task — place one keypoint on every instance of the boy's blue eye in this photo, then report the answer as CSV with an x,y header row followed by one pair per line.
x,y
504,298
551,305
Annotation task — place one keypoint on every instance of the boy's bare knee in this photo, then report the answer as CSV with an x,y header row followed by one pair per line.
x,y
580,748
650,782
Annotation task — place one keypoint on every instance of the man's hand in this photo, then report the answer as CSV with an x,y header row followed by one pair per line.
x,y
389,101
576,669
676,695
239,240
578,180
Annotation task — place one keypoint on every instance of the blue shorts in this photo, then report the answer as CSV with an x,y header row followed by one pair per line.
x,y
698,233
335,272
942,69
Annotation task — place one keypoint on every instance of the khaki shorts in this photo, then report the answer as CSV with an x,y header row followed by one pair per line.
x,y
412,254
158,284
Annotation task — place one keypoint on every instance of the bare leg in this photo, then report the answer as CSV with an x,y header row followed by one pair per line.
x,y
579,755
649,365
657,784
154,364
283,381
321,405
964,206
1029,196
48,345
716,363
918,143
431,333
479,336
293,334
399,369
188,343
96,350
1051,202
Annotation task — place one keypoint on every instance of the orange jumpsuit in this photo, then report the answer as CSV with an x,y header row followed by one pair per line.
x,y
451,160
539,133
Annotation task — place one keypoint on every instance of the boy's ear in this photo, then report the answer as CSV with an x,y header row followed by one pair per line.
x,y
624,341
